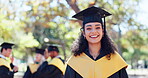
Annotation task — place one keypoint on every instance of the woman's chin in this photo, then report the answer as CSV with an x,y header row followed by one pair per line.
x,y
94,42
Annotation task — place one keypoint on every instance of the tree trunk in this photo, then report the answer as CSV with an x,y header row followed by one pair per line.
x,y
73,5
119,41
132,67
64,50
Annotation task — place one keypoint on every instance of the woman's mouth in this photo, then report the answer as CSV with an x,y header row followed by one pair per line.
x,y
94,36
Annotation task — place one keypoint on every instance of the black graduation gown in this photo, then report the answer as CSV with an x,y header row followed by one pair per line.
x,y
71,73
28,73
5,72
48,71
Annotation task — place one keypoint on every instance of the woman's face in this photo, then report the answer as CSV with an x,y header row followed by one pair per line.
x,y
93,32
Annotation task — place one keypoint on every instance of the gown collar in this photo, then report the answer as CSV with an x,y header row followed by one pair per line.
x,y
98,57
2,56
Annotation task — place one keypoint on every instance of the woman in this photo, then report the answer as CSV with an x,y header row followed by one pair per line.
x,y
32,68
94,56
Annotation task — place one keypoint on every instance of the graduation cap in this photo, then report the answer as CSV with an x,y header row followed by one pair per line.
x,y
7,45
40,51
53,48
92,14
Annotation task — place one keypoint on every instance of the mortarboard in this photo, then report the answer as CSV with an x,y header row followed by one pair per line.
x,y
53,48
40,51
7,45
92,14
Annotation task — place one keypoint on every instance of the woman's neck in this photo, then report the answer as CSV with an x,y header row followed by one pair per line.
x,y
94,49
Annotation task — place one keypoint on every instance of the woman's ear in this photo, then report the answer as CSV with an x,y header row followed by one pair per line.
x,y
82,31
103,33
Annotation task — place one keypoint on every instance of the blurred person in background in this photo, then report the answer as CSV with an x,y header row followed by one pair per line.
x,y
32,68
54,68
7,69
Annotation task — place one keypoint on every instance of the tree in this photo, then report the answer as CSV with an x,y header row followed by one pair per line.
x,y
11,31
134,46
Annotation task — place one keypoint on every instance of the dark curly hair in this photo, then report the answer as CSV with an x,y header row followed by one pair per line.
x,y
81,44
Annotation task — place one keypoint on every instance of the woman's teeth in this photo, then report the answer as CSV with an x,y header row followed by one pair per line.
x,y
94,36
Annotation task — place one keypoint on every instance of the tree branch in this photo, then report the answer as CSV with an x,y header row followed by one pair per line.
x,y
92,3
57,41
74,6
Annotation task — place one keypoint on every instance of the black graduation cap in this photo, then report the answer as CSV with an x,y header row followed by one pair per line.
x,y
7,45
92,14
53,48
40,51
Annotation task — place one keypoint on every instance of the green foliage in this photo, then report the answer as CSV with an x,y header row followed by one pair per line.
x,y
134,45
33,21
11,31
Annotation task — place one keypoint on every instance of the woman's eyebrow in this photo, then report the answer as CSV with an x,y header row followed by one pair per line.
x,y
88,25
98,25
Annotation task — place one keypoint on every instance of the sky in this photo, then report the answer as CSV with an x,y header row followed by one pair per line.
x,y
142,16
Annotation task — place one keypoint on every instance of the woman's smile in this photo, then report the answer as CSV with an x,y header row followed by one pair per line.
x,y
94,36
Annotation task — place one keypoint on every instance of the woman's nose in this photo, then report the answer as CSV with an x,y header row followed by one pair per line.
x,y
94,30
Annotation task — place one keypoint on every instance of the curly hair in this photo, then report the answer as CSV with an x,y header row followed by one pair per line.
x,y
81,44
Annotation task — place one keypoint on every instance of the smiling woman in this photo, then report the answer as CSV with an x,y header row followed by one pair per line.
x,y
95,55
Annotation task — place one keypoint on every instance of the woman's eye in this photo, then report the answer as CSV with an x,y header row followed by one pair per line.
x,y
98,27
88,28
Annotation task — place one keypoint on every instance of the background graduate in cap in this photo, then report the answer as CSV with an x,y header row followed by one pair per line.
x,y
54,68
32,68
7,69
95,55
